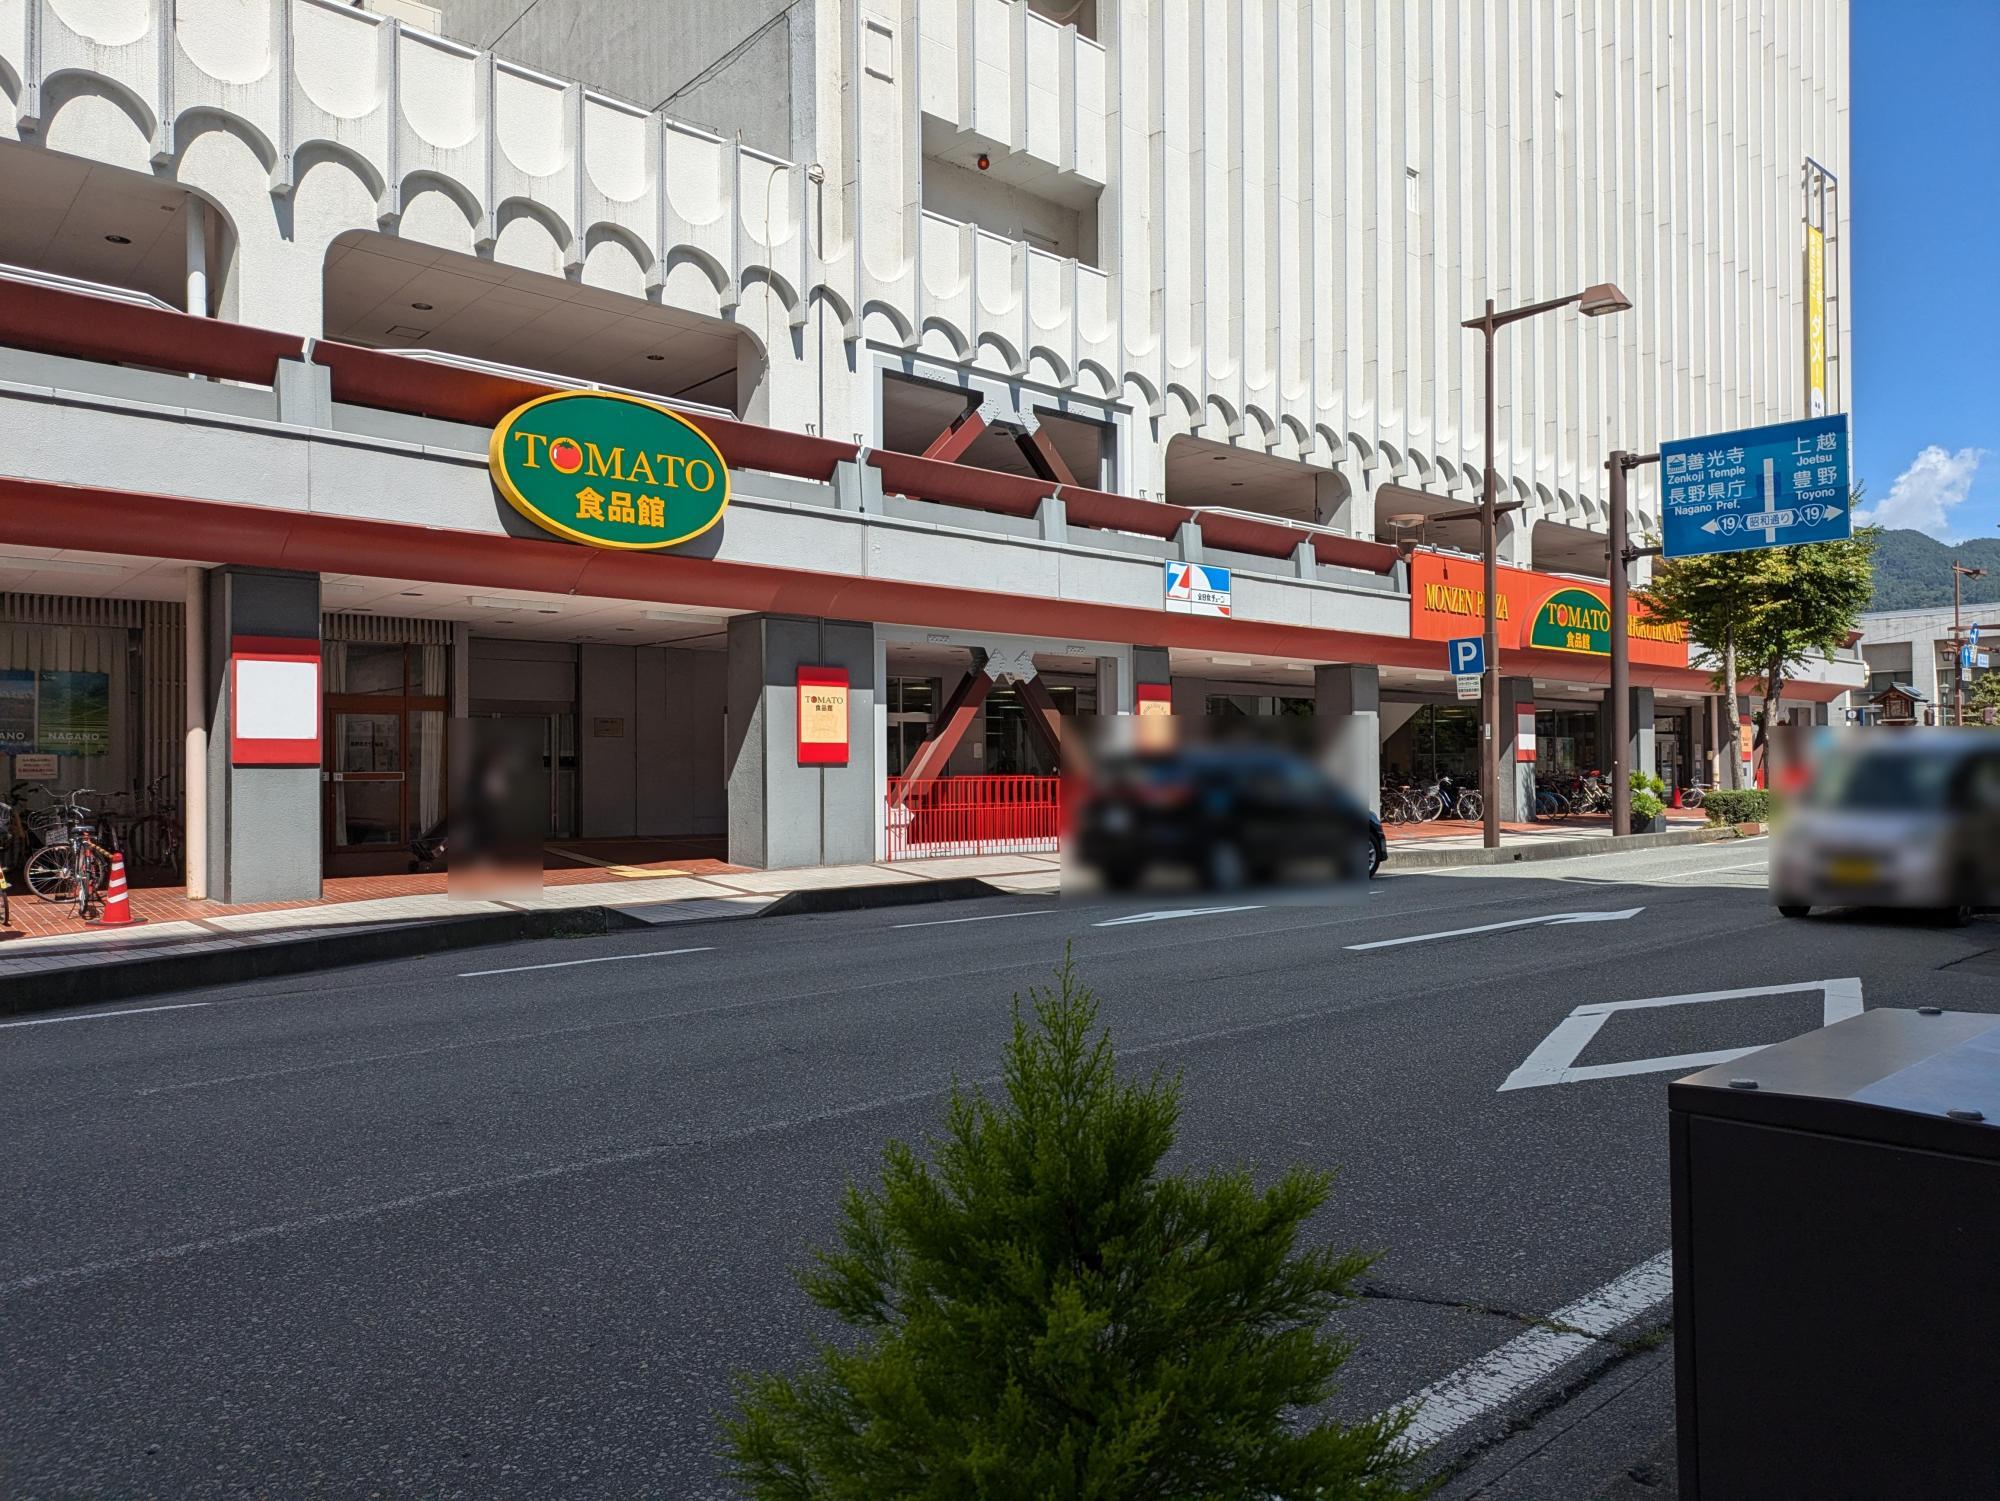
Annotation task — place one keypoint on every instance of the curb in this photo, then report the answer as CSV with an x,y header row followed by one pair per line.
x,y
810,900
1552,849
162,972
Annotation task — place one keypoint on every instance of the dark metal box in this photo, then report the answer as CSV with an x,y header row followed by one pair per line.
x,y
1836,1235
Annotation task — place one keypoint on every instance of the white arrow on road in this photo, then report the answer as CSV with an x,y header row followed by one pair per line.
x,y
1120,922
1547,920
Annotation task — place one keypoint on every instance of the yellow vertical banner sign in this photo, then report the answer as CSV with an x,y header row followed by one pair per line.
x,y
1816,321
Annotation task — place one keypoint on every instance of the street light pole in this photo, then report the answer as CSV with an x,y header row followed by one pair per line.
x,y
1489,684
1959,571
1592,302
1623,553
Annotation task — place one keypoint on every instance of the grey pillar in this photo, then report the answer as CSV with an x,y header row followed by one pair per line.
x,y
781,814
264,838
1642,753
1350,710
1150,664
1517,778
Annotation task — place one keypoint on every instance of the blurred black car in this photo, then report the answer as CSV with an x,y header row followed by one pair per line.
x,y
1231,815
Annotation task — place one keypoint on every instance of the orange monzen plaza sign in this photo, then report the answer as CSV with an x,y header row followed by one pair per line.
x,y
1536,611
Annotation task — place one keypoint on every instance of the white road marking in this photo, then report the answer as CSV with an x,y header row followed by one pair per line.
x,y
98,1016
1550,919
1138,917
1480,1386
945,922
519,969
1554,1059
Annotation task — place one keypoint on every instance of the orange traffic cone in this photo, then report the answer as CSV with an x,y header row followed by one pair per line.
x,y
117,900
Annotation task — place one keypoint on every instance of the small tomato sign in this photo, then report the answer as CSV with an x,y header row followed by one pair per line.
x,y
609,470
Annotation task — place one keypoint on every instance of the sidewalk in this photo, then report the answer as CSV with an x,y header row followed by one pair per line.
x,y
1459,833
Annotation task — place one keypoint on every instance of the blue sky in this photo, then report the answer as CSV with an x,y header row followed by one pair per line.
x,y
1924,192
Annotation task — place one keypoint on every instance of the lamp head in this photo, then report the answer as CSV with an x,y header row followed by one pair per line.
x,y
1601,299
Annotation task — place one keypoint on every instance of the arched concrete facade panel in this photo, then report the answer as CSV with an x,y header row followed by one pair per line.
x,y
435,215
613,267
95,117
229,40
526,238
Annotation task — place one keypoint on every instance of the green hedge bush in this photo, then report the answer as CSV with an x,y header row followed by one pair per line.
x,y
1752,805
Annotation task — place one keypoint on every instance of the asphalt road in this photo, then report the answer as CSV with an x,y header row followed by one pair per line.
x,y
503,1223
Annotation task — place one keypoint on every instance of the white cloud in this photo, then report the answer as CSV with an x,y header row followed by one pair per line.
x,y
1926,493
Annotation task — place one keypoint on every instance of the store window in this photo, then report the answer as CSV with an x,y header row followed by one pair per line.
x,y
1439,740
1565,742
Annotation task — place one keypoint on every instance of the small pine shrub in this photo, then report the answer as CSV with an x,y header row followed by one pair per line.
x,y
1040,1312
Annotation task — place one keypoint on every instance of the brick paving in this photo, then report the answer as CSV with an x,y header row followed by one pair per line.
x,y
571,863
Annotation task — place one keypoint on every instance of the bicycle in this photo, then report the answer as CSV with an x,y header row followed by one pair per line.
x,y
151,834
71,866
1692,794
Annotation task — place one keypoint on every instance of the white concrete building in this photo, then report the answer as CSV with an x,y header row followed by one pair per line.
x,y
1919,649
1127,270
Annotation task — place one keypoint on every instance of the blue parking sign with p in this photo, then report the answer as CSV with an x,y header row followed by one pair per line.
x,y
1466,655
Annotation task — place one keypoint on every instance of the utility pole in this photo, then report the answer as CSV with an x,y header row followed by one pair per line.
x,y
1958,572
1623,554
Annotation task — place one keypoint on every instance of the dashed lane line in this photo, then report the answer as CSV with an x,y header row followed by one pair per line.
x,y
521,969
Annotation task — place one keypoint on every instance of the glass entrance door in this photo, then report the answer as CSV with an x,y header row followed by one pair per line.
x,y
383,773
366,781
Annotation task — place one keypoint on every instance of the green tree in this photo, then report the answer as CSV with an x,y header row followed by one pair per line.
x,y
1809,601
1768,610
1043,1314
1717,596
1984,693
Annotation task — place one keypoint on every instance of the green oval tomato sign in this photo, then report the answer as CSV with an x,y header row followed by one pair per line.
x,y
610,471
1573,620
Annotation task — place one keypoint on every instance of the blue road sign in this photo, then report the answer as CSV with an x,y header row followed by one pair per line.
x,y
1965,656
1762,487
1973,633
1466,656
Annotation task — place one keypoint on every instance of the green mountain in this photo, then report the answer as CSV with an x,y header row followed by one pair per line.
x,y
1913,571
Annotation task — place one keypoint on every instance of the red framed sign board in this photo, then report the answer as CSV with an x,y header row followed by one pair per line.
x,y
823,722
274,701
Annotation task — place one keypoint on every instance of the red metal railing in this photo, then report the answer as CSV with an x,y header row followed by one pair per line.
x,y
973,816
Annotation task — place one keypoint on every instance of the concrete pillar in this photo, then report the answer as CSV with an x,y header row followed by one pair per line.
x,y
197,257
1114,687
781,814
1515,540
1639,753
1517,778
1349,707
194,768
1642,753
264,835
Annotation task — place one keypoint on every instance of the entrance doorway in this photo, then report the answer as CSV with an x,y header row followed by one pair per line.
x,y
384,779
